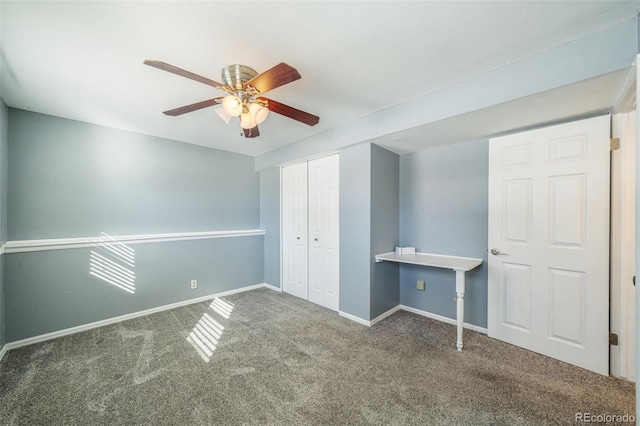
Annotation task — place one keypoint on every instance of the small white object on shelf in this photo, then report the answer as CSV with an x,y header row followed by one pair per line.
x,y
405,250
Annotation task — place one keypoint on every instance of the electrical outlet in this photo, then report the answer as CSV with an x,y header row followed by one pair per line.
x,y
420,285
194,284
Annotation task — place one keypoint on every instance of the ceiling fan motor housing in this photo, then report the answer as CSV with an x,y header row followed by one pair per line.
x,y
235,76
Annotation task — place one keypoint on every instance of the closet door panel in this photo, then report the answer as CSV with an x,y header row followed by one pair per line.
x,y
294,230
323,231
316,240
331,234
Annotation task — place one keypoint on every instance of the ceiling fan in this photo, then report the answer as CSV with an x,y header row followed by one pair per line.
x,y
244,87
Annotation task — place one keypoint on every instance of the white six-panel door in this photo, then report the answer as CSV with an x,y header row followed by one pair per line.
x,y
310,230
549,241
323,231
294,230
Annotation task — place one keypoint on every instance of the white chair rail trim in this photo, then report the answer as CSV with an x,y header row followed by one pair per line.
x,y
22,246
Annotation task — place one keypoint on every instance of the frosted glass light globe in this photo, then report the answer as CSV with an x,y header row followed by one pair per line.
x,y
232,105
258,112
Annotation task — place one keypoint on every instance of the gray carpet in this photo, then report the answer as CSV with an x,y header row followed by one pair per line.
x,y
266,358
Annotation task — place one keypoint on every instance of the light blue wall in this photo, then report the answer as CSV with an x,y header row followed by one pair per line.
x,y
72,179
444,209
385,186
368,225
2,309
52,291
3,209
270,221
91,179
355,230
4,138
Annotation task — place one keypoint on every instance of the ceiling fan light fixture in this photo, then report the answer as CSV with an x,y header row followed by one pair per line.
x,y
222,114
247,121
244,88
258,112
232,105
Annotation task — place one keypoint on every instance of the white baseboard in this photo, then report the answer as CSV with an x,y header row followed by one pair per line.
x,y
108,321
385,314
272,287
442,318
373,321
355,318
414,311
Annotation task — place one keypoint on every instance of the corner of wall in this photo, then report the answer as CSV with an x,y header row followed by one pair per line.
x,y
369,224
385,229
355,230
444,210
4,135
270,222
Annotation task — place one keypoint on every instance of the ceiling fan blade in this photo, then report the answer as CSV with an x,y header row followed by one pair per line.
x,y
183,73
277,76
193,107
291,112
251,133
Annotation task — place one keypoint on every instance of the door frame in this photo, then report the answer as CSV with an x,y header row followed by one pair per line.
x,y
622,250
623,198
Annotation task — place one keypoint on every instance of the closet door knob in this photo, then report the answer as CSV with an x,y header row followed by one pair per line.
x,y
297,238
316,239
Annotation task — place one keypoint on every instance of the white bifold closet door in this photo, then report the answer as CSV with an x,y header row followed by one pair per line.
x,y
294,231
323,232
310,230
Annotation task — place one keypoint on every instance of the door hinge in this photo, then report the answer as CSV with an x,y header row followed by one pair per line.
x,y
614,144
613,339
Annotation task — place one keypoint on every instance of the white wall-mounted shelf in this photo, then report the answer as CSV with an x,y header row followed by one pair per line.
x,y
456,263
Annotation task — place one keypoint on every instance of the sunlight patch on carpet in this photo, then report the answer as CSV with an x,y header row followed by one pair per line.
x,y
206,334
222,307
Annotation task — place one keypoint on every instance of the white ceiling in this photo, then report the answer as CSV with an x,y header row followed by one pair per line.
x,y
84,60
591,97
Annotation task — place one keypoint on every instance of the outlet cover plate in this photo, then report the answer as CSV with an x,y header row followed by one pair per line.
x,y
420,285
